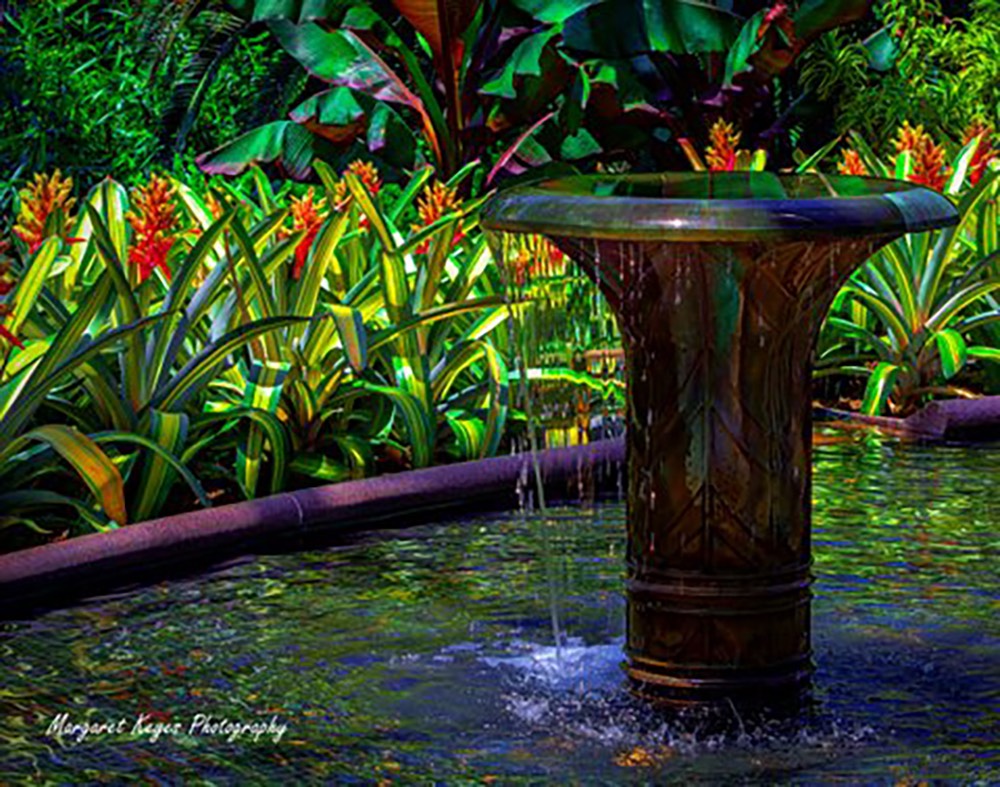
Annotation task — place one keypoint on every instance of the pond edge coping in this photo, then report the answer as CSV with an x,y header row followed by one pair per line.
x,y
60,573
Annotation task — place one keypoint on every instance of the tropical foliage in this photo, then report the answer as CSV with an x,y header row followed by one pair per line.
x,y
98,86
937,66
925,306
231,339
529,84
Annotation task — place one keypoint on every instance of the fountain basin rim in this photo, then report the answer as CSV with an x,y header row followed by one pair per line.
x,y
573,207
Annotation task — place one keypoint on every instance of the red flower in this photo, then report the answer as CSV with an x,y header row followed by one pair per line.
x,y
367,173
306,216
4,333
777,15
154,222
985,151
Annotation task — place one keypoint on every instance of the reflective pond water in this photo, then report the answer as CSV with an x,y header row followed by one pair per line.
x,y
488,650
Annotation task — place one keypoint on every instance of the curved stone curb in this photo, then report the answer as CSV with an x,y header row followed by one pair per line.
x,y
953,419
83,566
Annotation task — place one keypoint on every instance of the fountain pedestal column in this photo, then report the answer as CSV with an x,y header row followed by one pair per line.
x,y
720,283
718,339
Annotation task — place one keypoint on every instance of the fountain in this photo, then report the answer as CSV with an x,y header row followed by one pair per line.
x,y
720,282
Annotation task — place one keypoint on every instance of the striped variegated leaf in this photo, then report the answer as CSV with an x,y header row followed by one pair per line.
x,y
155,448
265,382
952,351
879,388
91,464
169,431
353,335
470,434
196,372
415,419
366,203
320,467
985,353
22,300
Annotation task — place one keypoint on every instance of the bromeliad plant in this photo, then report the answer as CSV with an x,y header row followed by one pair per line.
x,y
422,372
231,341
922,308
399,365
126,358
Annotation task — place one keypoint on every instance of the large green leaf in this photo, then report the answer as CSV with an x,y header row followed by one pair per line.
x,y
440,22
283,142
525,60
746,45
293,10
341,58
343,116
553,11
613,29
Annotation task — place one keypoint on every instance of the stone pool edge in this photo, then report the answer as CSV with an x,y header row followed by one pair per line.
x,y
60,573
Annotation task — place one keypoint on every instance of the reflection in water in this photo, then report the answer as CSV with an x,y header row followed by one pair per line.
x,y
431,653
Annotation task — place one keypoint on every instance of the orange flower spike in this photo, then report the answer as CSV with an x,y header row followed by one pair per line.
x,y
909,137
39,200
435,201
341,196
852,164
985,152
929,168
154,223
721,152
367,173
307,216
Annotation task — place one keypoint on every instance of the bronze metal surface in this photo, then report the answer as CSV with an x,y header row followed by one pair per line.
x,y
720,283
